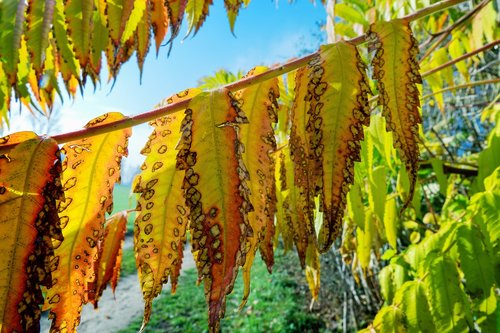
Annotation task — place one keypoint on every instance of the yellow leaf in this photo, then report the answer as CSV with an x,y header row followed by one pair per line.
x,y
365,240
107,269
160,225
216,193
338,92
259,103
397,73
29,228
90,170
313,271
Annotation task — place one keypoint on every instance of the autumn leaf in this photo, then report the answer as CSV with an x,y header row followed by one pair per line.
x,y
29,190
161,221
110,254
216,193
159,21
90,170
396,53
259,103
338,93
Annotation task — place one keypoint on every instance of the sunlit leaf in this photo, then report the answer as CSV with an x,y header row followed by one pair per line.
x,y
90,170
216,193
159,21
412,299
396,53
29,191
391,278
338,91
450,311
110,253
161,221
259,103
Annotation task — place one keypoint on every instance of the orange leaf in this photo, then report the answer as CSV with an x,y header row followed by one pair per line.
x,y
160,225
338,90
159,21
396,70
259,103
110,254
216,193
90,170
29,228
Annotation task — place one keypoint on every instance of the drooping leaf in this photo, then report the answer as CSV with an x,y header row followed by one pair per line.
x,y
99,35
283,229
159,21
110,254
391,222
161,221
313,273
90,170
338,93
216,193
175,9
259,103
39,19
355,206
449,310
197,12
132,21
397,73
475,261
12,21
143,36
412,299
437,166
232,8
29,190
79,18
377,190
390,319
365,239
303,175
391,278
70,67
295,211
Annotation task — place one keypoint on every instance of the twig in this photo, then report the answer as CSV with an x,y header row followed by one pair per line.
x,y
448,168
443,34
443,144
462,57
241,84
460,86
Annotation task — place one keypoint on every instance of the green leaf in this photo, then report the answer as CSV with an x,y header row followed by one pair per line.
x,y
133,20
355,206
412,299
390,319
391,278
365,240
377,190
349,14
475,261
391,222
449,309
437,166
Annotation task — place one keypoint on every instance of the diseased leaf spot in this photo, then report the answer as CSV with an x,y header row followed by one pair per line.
x,y
148,229
146,217
91,241
2,190
149,194
55,299
162,150
151,183
149,205
157,166
215,230
70,183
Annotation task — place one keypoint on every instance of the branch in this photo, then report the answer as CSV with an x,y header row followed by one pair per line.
x,y
462,57
460,86
446,32
451,168
246,82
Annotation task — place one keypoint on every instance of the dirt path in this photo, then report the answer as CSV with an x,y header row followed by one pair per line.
x,y
117,311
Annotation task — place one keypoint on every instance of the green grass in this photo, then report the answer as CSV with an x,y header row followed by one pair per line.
x,y
273,305
128,263
122,200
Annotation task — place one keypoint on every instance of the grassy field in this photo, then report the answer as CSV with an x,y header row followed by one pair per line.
x,y
123,200
273,305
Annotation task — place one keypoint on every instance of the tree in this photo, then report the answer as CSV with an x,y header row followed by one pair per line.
x,y
266,156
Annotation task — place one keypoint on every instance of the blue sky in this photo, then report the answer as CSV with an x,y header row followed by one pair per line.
x,y
267,33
